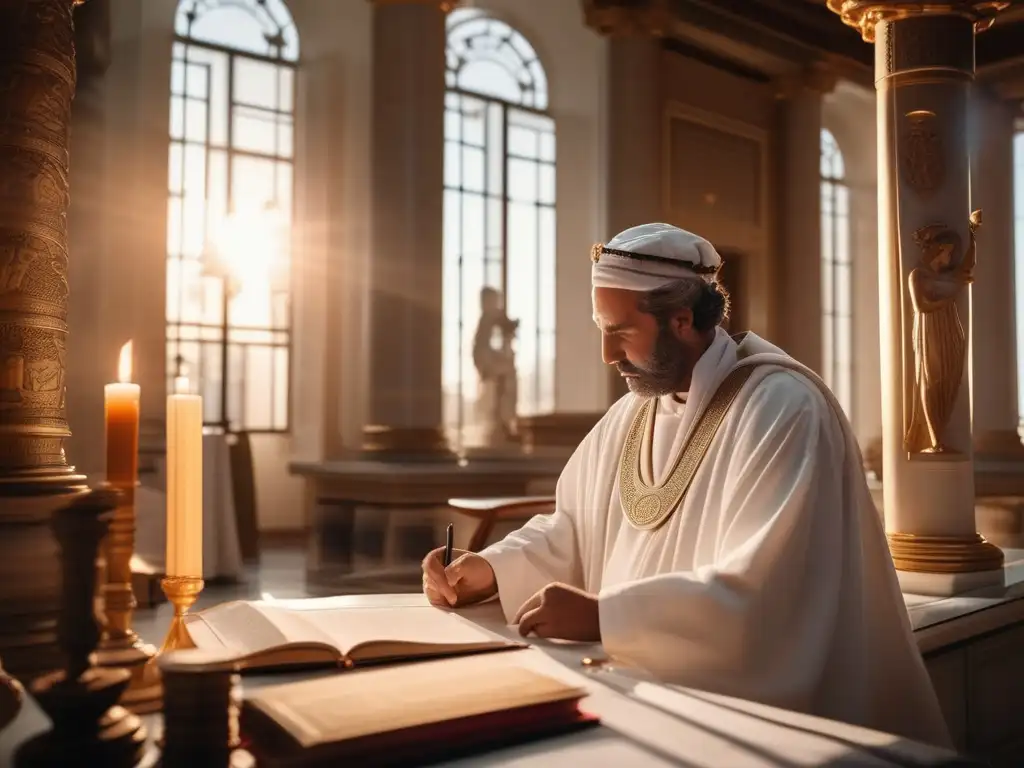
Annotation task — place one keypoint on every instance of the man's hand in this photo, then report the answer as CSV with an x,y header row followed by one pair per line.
x,y
562,612
469,579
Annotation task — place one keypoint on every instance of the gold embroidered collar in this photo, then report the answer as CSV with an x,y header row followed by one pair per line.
x,y
647,506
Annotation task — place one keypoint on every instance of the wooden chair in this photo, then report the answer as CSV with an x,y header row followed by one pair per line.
x,y
488,512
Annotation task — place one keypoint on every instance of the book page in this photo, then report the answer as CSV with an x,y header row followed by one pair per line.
x,y
373,701
349,628
248,628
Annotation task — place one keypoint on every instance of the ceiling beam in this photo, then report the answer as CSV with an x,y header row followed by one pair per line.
x,y
771,34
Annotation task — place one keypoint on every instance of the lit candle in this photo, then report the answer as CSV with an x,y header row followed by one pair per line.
x,y
121,409
184,482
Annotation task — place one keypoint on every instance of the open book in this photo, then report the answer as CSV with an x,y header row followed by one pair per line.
x,y
409,715
326,632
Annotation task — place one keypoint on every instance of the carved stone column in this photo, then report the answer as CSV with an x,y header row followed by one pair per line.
x,y
37,84
924,64
405,269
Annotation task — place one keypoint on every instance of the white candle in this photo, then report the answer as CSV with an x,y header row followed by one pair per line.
x,y
184,482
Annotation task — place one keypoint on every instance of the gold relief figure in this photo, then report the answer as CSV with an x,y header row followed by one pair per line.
x,y
43,376
940,345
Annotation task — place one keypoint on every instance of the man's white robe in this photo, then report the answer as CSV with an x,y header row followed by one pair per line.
x,y
772,581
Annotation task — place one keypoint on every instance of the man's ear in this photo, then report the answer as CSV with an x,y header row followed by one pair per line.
x,y
682,321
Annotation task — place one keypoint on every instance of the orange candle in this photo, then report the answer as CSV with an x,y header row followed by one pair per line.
x,y
121,407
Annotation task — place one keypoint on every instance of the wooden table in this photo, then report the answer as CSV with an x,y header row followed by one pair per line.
x,y
644,724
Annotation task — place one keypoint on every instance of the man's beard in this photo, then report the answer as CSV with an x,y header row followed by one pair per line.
x,y
663,373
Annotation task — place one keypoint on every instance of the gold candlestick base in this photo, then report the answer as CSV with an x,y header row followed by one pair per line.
x,y
182,592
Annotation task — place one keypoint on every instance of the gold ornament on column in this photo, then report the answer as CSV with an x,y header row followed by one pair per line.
x,y
865,14
940,345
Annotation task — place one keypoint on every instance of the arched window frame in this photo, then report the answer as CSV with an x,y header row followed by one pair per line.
x,y
499,254
220,120
836,273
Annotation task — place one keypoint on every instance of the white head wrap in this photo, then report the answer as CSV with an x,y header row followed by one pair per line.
x,y
651,256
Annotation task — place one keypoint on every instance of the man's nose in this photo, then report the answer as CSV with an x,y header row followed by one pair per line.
x,y
611,351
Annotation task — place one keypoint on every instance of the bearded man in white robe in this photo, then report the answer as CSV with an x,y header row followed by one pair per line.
x,y
715,527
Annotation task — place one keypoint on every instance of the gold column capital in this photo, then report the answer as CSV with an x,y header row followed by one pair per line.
x,y
866,14
628,18
445,5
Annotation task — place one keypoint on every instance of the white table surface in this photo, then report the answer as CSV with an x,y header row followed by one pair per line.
x,y
643,724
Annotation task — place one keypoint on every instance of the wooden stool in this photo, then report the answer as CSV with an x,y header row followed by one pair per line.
x,y
487,512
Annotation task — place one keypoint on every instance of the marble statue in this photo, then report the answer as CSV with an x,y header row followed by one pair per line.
x,y
940,344
494,359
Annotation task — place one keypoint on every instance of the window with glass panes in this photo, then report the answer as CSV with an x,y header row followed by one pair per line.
x,y
499,210
230,209
836,274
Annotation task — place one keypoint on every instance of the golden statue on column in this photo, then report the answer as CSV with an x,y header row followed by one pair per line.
x,y
940,345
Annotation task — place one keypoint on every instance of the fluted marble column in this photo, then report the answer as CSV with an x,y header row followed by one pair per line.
x,y
37,84
405,266
924,66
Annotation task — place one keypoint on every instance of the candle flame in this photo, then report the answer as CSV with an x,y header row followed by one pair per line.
x,y
124,363
182,385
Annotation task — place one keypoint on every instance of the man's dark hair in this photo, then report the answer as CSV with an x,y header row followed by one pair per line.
x,y
707,299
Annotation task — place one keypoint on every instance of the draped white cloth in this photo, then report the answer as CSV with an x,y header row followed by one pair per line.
x,y
771,582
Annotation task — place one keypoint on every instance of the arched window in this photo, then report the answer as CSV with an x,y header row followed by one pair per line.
x,y
230,209
836,274
499,213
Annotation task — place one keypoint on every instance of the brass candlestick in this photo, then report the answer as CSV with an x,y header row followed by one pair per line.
x,y
120,646
182,592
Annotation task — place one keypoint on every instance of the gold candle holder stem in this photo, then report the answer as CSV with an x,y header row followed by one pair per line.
x,y
120,646
118,547
182,592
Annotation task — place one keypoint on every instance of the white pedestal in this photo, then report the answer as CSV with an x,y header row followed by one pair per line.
x,y
948,584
